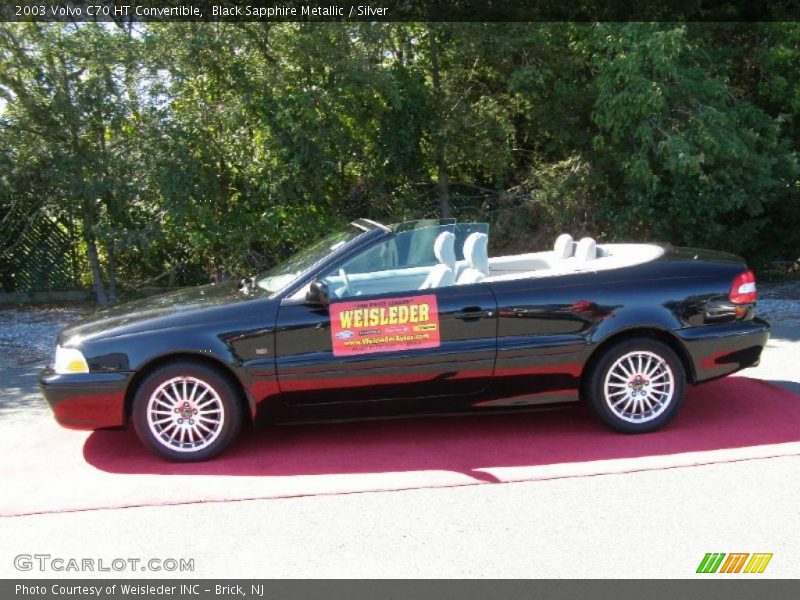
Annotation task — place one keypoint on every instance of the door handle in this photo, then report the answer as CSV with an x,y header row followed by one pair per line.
x,y
472,313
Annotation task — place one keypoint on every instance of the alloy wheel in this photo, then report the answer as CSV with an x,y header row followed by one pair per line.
x,y
639,386
185,414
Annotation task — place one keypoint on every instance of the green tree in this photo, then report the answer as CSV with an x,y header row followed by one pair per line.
x,y
67,109
677,155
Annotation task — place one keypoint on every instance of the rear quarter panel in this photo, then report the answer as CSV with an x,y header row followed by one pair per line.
x,y
549,328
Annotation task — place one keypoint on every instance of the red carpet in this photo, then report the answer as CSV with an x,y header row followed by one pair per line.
x,y
732,419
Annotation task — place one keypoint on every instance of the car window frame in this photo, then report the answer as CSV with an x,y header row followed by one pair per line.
x,y
375,233
362,243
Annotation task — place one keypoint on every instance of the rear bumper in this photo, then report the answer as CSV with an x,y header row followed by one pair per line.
x,y
86,400
719,350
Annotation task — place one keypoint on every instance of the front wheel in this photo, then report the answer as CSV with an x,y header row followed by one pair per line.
x,y
186,412
636,386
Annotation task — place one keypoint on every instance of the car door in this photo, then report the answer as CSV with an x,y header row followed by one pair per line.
x,y
436,343
543,325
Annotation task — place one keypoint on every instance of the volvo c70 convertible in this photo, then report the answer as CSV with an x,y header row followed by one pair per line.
x,y
407,319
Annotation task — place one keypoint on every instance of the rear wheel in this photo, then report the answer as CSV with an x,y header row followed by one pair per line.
x,y
636,386
186,412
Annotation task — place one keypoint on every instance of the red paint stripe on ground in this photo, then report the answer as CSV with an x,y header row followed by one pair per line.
x,y
732,419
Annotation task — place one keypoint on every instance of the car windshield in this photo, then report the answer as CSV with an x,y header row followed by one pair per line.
x,y
425,254
412,244
282,275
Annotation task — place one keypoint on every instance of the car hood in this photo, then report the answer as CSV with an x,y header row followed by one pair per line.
x,y
156,312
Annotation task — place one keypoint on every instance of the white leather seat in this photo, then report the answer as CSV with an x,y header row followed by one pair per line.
x,y
564,246
444,273
585,250
477,256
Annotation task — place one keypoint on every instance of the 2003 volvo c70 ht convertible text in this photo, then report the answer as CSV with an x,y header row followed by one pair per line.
x,y
412,318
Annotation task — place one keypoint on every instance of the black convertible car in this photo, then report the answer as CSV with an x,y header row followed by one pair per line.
x,y
412,318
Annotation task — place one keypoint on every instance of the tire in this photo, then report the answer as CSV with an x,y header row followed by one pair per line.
x,y
631,398
208,394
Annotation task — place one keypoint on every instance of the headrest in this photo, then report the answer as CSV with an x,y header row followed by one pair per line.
x,y
564,246
444,249
586,249
476,252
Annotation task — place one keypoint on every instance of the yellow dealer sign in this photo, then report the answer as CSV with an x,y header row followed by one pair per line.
x,y
385,325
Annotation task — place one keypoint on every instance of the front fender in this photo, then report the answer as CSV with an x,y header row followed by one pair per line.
x,y
137,352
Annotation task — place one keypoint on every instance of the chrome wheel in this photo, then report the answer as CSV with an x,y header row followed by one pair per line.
x,y
185,414
639,386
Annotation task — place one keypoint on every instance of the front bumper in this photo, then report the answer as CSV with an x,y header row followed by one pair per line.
x,y
719,350
86,400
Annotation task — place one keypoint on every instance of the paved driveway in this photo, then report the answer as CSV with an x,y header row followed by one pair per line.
x,y
646,524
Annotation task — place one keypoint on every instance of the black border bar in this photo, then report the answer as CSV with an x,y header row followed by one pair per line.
x,y
379,589
399,10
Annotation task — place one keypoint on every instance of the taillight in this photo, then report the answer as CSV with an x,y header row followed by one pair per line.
x,y
743,288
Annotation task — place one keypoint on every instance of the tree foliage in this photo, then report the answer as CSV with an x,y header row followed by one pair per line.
x,y
174,152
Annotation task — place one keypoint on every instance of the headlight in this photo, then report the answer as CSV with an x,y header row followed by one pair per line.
x,y
70,360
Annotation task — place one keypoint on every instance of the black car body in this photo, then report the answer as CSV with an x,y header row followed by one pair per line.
x,y
506,338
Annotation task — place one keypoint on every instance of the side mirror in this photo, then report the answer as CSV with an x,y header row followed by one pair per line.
x,y
318,292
